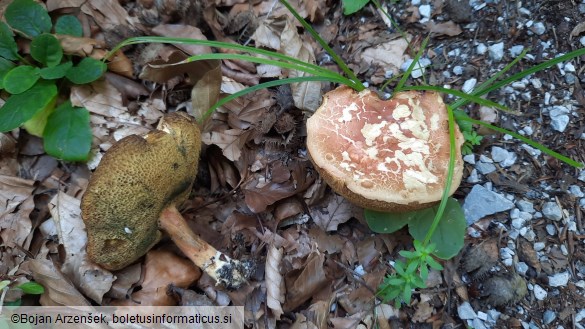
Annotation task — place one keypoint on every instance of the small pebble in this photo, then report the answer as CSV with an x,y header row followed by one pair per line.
x,y
485,168
470,158
473,177
465,311
538,246
496,51
539,28
516,50
559,279
458,70
468,85
551,210
521,268
525,205
539,293
425,11
576,191
551,229
481,48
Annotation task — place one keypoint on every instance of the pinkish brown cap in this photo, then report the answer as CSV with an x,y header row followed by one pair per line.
x,y
387,155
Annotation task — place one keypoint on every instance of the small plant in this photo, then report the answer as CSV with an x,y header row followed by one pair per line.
x,y
28,288
437,231
35,80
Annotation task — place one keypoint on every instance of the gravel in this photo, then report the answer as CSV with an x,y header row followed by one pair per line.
x,y
551,210
481,202
559,279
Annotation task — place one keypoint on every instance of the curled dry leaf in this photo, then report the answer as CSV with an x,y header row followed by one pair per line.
x,y
58,290
445,28
274,282
334,210
480,258
99,97
301,285
183,31
506,289
231,141
90,278
389,55
161,269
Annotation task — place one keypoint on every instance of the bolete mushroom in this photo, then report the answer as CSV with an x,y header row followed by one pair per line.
x,y
386,155
134,193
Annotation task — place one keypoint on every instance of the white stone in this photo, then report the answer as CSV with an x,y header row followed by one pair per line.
x,y
559,279
470,158
465,311
481,48
496,51
539,28
551,210
458,70
468,85
576,191
536,83
539,292
425,11
538,246
516,50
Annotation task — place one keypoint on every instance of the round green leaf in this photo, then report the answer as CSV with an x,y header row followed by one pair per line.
x,y
21,79
68,133
20,108
352,6
5,66
69,25
31,288
56,72
383,222
46,49
88,70
8,48
450,232
28,17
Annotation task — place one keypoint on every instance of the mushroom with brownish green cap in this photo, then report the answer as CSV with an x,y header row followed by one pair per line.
x,y
134,194
386,155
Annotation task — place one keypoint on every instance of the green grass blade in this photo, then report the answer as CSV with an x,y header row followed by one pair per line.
x,y
262,86
450,171
417,57
293,66
522,74
215,44
457,93
528,141
338,60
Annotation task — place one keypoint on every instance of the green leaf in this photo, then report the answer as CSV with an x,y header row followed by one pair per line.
x,y
28,17
20,108
463,125
46,49
31,288
450,232
4,284
56,72
36,125
69,25
382,222
5,66
351,6
68,133
434,264
21,79
8,48
88,70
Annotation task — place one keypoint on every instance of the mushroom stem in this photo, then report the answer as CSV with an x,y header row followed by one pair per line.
x,y
229,272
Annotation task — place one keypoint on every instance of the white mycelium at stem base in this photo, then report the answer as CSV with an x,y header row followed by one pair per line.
x,y
390,155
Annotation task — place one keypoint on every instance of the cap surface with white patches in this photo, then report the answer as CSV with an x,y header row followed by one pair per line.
x,y
388,155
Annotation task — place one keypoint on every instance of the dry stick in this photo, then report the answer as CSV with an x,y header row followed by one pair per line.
x,y
232,273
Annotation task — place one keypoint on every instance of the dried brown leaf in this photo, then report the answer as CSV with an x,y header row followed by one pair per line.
x,y
448,28
183,31
205,92
274,281
423,312
125,279
578,29
99,97
13,191
389,55
58,290
80,46
162,268
108,15
334,210
90,278
301,285
230,141
259,193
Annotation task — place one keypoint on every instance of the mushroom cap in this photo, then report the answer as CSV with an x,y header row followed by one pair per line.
x,y
386,155
136,179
